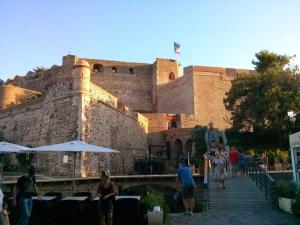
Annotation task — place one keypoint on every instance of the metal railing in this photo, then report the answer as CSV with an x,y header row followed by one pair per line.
x,y
263,181
205,182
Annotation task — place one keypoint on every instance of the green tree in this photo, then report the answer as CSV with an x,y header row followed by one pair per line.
x,y
259,103
198,138
39,69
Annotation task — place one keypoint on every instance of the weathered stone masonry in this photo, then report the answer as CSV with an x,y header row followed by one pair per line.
x,y
122,105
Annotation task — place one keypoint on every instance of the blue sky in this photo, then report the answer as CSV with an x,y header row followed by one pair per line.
x,y
211,32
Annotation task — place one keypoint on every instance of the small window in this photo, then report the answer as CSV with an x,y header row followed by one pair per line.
x,y
114,69
131,70
98,68
172,76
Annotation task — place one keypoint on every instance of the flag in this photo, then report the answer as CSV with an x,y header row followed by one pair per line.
x,y
176,48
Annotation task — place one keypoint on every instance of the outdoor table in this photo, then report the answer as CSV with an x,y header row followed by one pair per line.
x,y
44,210
72,210
76,198
44,198
124,206
121,197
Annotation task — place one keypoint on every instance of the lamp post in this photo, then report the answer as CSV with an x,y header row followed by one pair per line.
x,y
294,148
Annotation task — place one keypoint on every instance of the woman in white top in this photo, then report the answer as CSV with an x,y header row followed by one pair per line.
x,y
219,163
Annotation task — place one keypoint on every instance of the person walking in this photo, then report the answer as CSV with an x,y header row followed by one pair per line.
x,y
219,163
1,203
241,162
233,158
24,190
106,192
185,178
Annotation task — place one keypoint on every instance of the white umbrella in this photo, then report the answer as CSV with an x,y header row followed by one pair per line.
x,y
74,146
6,147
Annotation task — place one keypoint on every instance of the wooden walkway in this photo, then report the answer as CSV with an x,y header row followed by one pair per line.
x,y
240,195
241,203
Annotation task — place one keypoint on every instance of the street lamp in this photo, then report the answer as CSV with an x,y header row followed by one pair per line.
x,y
292,115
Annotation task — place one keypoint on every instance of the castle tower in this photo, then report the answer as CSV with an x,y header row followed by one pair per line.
x,y
81,89
82,76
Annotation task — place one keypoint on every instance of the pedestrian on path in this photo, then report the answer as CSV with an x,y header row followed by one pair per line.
x,y
185,177
219,163
106,192
24,190
233,158
241,162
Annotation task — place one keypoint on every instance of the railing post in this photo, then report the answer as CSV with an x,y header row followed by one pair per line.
x,y
266,186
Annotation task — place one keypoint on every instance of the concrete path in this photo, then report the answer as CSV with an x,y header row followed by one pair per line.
x,y
241,203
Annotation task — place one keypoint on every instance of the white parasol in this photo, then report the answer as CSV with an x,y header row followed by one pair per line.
x,y
74,147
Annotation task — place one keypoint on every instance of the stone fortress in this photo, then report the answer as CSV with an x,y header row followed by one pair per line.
x,y
131,107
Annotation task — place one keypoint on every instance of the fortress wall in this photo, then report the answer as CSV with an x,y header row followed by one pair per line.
x,y
176,96
43,80
103,96
110,127
132,89
187,121
163,69
46,120
210,87
157,122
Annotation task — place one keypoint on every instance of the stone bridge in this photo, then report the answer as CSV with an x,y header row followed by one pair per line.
x,y
64,185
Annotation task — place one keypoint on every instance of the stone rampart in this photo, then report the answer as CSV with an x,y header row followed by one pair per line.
x,y
46,120
176,96
109,127
129,82
103,96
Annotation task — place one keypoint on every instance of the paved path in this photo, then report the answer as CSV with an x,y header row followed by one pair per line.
x,y
240,203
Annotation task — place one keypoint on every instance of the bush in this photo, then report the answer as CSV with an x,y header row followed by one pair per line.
x,y
296,205
286,190
153,199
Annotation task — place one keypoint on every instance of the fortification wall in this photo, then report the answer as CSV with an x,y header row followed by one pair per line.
x,y
41,81
129,82
176,96
187,121
210,87
157,122
49,119
109,127
102,95
164,68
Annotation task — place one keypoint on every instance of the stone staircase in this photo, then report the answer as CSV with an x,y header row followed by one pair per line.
x,y
240,195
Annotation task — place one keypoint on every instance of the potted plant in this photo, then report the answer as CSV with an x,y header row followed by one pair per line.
x,y
286,193
154,206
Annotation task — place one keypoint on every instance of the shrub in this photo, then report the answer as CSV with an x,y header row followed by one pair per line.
x,y
296,205
152,199
286,190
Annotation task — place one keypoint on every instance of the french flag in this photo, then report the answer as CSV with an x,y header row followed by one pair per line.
x,y
176,48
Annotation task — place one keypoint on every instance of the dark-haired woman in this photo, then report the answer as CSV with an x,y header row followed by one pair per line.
x,y
25,189
106,193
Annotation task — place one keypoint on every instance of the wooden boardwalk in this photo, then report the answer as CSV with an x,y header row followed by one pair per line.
x,y
241,203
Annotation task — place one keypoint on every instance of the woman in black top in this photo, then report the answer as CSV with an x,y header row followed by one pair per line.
x,y
106,193
24,190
